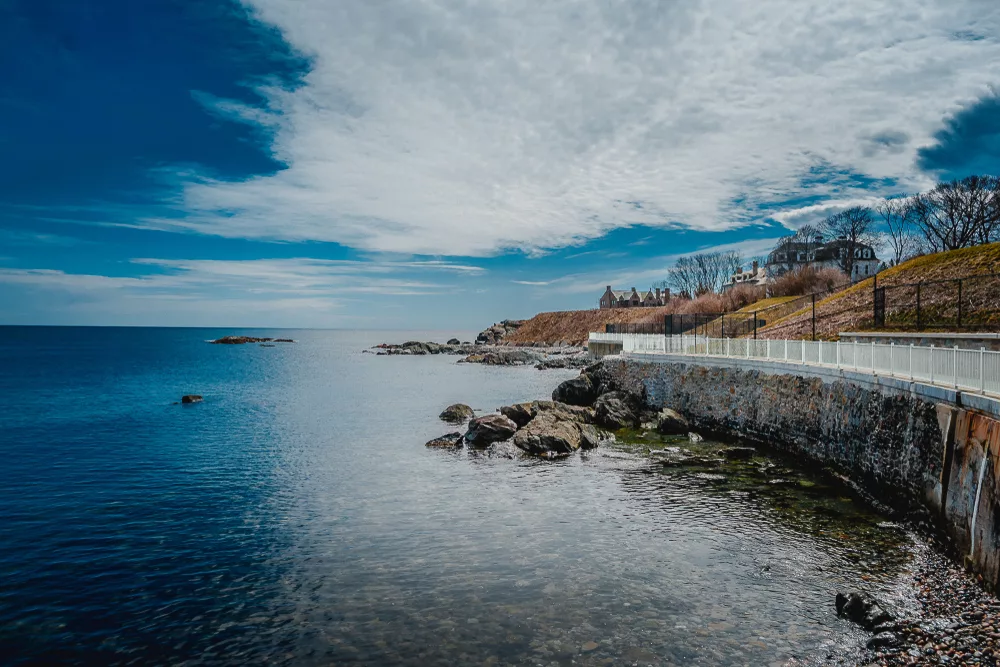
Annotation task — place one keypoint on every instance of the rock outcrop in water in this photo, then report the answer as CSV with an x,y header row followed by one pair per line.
x,y
459,413
492,355
484,431
243,340
862,609
576,391
446,440
191,398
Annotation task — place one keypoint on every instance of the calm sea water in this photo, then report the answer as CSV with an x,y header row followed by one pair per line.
x,y
295,517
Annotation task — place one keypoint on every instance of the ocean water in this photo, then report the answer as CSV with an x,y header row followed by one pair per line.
x,y
295,517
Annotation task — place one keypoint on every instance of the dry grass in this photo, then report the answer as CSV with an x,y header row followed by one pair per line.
x,y
852,309
573,327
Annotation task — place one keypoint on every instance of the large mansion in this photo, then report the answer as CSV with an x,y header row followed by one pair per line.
x,y
794,255
634,299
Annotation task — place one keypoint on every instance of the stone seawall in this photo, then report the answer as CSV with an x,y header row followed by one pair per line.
x,y
917,448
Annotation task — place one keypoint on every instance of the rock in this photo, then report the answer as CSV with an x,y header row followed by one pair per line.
x,y
862,610
547,435
458,413
522,413
883,640
591,437
738,453
484,431
446,440
590,646
454,341
612,411
577,391
694,437
496,333
671,422
565,361
243,340
503,358
191,398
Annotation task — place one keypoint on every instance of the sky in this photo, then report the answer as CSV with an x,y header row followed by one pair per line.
x,y
450,163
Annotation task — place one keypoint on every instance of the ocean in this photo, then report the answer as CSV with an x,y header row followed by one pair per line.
x,y
295,517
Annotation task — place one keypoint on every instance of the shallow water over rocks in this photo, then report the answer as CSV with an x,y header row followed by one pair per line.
x,y
294,516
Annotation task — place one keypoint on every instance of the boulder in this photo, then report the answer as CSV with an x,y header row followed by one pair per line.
x,y
446,440
577,391
454,341
547,435
484,431
883,640
459,413
522,413
613,411
861,609
552,435
191,398
671,422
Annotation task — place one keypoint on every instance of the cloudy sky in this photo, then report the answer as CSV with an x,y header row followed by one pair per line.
x,y
448,163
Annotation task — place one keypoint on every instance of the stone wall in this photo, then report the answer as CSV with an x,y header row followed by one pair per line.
x,y
916,448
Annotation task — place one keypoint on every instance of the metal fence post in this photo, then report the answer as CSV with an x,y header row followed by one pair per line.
x,y
723,325
755,325
813,316
982,370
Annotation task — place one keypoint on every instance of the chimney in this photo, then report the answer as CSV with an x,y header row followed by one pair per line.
x,y
633,289
666,294
657,293
819,240
609,288
755,265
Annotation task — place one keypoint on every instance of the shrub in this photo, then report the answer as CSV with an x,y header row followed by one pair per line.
x,y
808,280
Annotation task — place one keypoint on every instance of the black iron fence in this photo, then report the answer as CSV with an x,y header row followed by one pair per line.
x,y
969,303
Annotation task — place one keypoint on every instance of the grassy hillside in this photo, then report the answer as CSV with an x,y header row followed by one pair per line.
x,y
574,326
852,309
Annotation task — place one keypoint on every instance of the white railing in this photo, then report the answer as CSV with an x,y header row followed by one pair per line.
x,y
969,370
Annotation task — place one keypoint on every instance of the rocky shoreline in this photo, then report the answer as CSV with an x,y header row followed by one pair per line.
x,y
957,621
542,358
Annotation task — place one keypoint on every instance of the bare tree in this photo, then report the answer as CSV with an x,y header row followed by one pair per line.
x,y
702,273
959,214
898,216
854,228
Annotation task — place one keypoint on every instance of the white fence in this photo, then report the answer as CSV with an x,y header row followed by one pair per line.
x,y
970,370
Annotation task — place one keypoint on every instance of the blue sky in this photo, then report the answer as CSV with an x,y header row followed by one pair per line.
x,y
449,163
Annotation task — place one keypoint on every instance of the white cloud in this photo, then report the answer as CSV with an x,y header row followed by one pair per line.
x,y
463,128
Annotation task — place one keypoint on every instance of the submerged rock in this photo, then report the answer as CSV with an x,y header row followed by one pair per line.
x,y
861,609
883,640
191,398
457,413
484,431
446,440
577,391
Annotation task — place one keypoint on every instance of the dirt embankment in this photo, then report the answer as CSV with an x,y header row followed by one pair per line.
x,y
572,327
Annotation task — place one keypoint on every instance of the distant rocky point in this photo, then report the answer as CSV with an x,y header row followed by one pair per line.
x,y
243,340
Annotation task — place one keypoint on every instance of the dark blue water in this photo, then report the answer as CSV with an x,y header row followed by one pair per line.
x,y
294,517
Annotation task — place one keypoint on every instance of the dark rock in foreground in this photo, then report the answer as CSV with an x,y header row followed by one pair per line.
x,y
191,398
243,340
577,391
738,453
862,610
550,435
484,431
522,413
457,413
671,422
446,440
614,411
